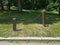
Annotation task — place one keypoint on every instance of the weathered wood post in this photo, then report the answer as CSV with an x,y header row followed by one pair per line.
x,y
43,17
14,24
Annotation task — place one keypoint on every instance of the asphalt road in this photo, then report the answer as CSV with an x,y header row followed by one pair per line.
x,y
8,43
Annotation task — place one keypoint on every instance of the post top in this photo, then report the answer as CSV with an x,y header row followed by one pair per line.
x,y
43,10
14,18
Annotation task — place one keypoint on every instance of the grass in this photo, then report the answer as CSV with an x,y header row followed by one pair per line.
x,y
29,24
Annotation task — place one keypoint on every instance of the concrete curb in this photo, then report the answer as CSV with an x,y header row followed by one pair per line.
x,y
30,38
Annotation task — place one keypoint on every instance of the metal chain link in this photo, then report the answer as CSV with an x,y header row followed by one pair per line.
x,y
32,19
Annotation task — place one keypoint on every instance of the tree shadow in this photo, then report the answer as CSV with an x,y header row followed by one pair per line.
x,y
28,17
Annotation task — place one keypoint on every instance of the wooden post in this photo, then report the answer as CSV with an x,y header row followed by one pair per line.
x,y
14,24
43,17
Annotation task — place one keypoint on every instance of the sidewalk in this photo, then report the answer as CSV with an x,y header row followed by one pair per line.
x,y
7,43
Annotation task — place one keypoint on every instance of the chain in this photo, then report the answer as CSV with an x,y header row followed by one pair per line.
x,y
32,19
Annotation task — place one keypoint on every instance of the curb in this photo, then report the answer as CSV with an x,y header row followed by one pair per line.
x,y
30,38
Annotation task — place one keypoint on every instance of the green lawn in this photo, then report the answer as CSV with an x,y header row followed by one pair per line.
x,y
29,24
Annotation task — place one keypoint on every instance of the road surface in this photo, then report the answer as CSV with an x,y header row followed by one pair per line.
x,y
9,43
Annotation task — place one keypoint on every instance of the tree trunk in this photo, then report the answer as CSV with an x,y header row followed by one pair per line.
x,y
32,1
59,7
19,5
9,4
1,4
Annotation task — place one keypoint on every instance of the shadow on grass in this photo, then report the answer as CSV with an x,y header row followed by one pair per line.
x,y
28,17
18,30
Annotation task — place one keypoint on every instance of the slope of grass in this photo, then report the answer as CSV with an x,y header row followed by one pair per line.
x,y
29,24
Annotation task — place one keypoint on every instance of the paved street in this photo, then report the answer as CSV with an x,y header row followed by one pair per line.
x,y
8,43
